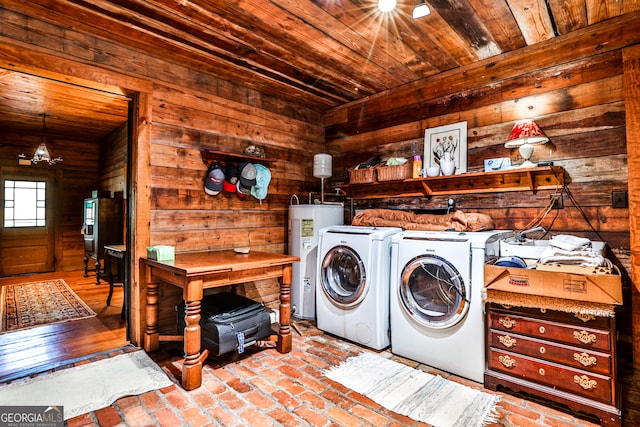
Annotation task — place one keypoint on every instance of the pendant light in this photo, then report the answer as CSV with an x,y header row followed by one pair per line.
x,y
42,153
421,9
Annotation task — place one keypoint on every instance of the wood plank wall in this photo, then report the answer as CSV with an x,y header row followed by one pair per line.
x,y
189,110
572,86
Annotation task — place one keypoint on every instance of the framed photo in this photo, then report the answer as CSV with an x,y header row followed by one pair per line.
x,y
442,139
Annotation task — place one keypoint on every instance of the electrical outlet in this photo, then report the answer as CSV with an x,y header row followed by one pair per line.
x,y
619,199
557,201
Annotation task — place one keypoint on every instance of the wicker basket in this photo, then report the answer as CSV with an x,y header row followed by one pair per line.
x,y
394,173
361,176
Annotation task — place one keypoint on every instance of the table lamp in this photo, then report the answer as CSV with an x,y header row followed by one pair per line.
x,y
524,135
322,169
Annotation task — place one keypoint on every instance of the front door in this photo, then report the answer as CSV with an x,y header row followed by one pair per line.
x,y
27,234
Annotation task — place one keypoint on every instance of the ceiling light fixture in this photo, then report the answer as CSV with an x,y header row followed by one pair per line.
x,y
386,5
524,134
421,9
42,153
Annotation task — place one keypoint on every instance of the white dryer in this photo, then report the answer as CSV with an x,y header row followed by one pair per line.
x,y
436,298
352,286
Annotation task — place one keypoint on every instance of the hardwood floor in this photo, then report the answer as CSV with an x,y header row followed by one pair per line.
x,y
38,349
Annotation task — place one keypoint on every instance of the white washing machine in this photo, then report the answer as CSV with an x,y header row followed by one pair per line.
x,y
352,286
436,298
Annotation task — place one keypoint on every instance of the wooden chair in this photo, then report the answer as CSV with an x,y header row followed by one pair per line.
x,y
115,255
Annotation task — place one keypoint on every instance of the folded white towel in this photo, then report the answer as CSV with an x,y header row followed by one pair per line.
x,y
585,257
568,242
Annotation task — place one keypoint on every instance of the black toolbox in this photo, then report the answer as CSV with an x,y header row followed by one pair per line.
x,y
229,322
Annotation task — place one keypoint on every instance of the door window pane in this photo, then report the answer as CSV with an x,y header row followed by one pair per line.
x,y
24,203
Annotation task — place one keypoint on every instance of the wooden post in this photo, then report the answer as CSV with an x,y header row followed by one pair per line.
x,y
631,66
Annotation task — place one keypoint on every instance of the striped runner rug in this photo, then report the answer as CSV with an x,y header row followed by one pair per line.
x,y
414,393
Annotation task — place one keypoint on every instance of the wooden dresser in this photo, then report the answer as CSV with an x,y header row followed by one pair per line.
x,y
566,358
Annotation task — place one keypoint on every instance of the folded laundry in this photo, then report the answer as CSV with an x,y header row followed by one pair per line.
x,y
568,242
558,256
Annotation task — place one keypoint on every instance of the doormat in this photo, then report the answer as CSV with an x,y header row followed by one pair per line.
x,y
26,305
416,394
88,387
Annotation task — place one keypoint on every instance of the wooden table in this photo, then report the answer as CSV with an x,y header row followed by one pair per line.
x,y
196,271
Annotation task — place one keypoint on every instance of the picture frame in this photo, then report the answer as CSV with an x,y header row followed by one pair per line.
x,y
452,138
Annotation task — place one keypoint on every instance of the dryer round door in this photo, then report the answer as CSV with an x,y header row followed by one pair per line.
x,y
433,292
343,276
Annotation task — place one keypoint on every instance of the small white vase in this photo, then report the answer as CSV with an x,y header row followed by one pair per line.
x,y
447,167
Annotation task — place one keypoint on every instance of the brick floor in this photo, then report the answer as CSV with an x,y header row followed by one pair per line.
x,y
266,388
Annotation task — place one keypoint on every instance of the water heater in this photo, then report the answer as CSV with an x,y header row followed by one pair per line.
x,y
304,223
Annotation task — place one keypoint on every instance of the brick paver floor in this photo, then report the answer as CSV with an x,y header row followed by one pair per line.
x,y
267,388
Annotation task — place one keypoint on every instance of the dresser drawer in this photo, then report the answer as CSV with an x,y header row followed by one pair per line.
x,y
574,335
575,357
575,381
587,320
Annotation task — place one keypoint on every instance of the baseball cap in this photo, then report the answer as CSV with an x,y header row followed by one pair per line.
x,y
213,182
231,178
242,190
247,174
263,177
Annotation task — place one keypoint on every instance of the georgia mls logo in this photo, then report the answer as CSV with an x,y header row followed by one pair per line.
x,y
31,416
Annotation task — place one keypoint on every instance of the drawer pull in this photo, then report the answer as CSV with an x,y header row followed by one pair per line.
x,y
542,350
507,322
585,360
542,329
507,361
584,337
541,371
507,341
585,382
585,317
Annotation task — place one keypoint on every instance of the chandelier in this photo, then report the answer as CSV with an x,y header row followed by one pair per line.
x,y
42,153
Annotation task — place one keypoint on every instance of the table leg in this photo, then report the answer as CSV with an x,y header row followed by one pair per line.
x,y
109,273
98,270
284,334
151,335
193,359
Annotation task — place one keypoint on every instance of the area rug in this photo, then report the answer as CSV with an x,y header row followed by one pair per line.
x,y
88,387
431,399
26,305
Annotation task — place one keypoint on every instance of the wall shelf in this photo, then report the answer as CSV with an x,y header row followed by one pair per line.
x,y
209,155
533,179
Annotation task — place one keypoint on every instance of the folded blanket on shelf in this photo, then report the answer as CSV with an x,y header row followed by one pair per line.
x,y
458,220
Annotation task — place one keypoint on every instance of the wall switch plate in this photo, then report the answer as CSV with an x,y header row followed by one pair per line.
x,y
557,201
620,199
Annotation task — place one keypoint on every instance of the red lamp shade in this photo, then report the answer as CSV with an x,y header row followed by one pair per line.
x,y
525,132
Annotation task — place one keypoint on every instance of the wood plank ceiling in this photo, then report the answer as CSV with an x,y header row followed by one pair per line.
x,y
321,52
